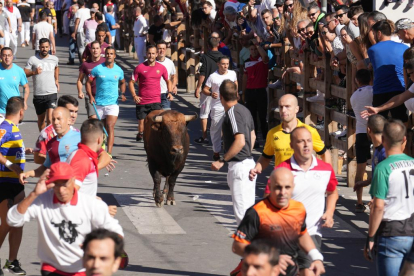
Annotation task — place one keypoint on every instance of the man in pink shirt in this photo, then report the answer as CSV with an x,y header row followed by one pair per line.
x,y
148,75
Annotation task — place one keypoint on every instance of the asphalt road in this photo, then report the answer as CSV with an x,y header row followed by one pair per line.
x,y
193,237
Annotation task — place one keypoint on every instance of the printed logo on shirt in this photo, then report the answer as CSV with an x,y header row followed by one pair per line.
x,y
14,77
2,133
67,148
19,155
158,71
276,138
275,228
115,77
67,230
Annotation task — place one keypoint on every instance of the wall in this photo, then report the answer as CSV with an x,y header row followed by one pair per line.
x,y
394,11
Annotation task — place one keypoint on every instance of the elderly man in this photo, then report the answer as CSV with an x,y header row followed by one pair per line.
x,y
405,30
315,15
64,218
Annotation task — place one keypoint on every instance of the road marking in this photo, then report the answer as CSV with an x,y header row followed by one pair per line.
x,y
145,216
221,207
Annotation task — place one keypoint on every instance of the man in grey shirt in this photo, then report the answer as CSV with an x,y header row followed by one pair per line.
x,y
342,16
238,138
44,68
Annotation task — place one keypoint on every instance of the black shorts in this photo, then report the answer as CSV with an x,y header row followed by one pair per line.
x,y
303,259
362,148
143,110
399,112
10,190
43,103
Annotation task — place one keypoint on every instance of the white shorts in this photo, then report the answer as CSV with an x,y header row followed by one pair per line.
x,y
107,110
205,106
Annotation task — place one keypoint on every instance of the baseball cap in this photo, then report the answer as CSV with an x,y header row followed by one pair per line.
x,y
403,24
280,2
60,171
94,10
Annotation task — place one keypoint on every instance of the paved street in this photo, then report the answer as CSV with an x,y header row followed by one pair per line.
x,y
193,237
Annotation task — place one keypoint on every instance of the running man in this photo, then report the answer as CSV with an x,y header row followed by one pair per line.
x,y
59,208
278,138
49,132
212,89
59,147
100,36
44,68
148,75
109,77
11,77
85,70
288,216
12,161
166,96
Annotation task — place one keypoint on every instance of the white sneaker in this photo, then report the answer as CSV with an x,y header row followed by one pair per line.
x,y
319,97
341,134
276,85
336,132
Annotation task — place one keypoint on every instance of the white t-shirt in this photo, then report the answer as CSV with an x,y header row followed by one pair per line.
x,y
410,103
212,15
169,64
63,227
42,30
266,4
214,81
83,14
13,17
140,26
360,98
310,189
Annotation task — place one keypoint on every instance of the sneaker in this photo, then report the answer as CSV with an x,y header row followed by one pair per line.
x,y
360,208
276,85
140,135
319,97
201,141
216,156
336,132
341,134
14,267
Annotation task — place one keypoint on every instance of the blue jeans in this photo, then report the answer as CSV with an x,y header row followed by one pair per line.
x,y
391,254
73,48
165,103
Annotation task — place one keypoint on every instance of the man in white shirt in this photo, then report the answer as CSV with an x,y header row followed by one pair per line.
x,y
140,34
313,180
64,216
16,25
212,88
80,17
166,96
43,30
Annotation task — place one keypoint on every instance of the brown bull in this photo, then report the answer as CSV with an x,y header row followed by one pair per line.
x,y
166,142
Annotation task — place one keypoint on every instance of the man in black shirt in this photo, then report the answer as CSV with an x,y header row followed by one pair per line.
x,y
102,25
156,30
25,12
238,138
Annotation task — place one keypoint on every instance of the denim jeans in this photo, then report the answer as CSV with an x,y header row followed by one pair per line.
x,y
165,102
391,254
72,47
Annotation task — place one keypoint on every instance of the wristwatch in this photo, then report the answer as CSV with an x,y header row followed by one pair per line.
x,y
221,160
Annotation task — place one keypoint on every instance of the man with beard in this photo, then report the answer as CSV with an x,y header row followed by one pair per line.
x,y
44,68
84,71
148,75
12,161
109,77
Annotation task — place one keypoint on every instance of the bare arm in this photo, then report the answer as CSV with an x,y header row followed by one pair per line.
x,y
39,158
375,218
26,92
238,248
79,84
331,199
131,86
253,138
396,101
52,40
206,91
123,86
57,77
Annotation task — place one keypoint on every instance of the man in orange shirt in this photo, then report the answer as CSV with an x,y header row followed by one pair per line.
x,y
281,219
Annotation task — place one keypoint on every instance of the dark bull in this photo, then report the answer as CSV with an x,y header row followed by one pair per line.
x,y
166,142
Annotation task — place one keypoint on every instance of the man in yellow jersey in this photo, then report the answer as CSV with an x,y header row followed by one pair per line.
x,y
12,160
278,138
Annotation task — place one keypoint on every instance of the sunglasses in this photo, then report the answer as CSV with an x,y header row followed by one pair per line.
x,y
312,14
289,6
340,15
302,30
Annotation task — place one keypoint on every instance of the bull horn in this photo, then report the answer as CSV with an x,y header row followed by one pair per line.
x,y
189,118
157,119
